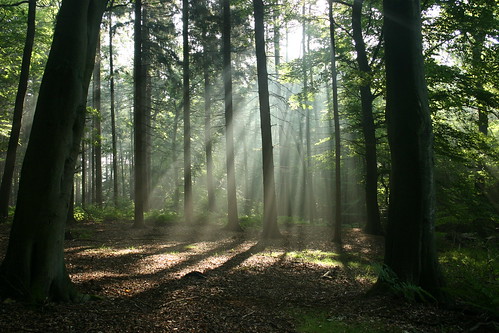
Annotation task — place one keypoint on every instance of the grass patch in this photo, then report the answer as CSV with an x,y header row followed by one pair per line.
x,y
316,257
319,321
191,247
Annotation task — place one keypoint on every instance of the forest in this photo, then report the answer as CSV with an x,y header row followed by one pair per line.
x,y
249,166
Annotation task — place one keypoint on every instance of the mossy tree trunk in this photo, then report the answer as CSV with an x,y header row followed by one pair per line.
x,y
33,267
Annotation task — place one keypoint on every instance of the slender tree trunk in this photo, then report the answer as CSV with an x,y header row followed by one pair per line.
x,y
270,228
337,150
83,173
373,224
10,160
233,223
113,113
139,121
33,267
146,56
176,192
188,202
97,142
410,246
208,135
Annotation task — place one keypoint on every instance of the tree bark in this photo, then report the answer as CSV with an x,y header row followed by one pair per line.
x,y
270,228
97,134
33,267
373,223
188,203
208,136
113,113
337,145
233,223
410,246
10,159
139,122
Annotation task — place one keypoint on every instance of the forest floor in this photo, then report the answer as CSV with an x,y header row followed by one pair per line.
x,y
179,279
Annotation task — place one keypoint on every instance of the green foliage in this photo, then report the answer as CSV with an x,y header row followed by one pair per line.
x,y
80,214
161,218
473,276
108,213
406,290
321,322
251,222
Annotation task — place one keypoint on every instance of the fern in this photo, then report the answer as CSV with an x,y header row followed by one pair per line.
x,y
407,290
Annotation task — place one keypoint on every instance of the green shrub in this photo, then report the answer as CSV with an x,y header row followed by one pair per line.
x,y
161,218
251,221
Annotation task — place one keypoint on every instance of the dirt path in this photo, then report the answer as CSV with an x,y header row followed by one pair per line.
x,y
178,280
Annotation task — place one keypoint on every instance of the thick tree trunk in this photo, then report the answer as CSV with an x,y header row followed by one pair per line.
x,y
373,223
410,247
233,223
139,122
10,159
270,228
33,267
337,145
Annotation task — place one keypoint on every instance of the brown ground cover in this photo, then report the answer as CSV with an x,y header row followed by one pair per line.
x,y
202,279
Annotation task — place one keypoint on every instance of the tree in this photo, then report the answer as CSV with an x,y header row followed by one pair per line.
x,y
337,221
97,131
270,228
410,246
373,223
208,135
10,159
34,267
233,223
139,121
113,113
188,202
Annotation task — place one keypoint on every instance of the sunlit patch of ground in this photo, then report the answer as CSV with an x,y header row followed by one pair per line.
x,y
147,284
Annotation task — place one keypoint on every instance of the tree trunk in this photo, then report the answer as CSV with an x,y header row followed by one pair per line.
x,y
10,159
34,267
113,113
97,134
410,247
233,223
139,122
373,223
208,136
337,145
270,228
146,56
188,203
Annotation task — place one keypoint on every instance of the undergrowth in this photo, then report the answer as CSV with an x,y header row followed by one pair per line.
x,y
472,275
